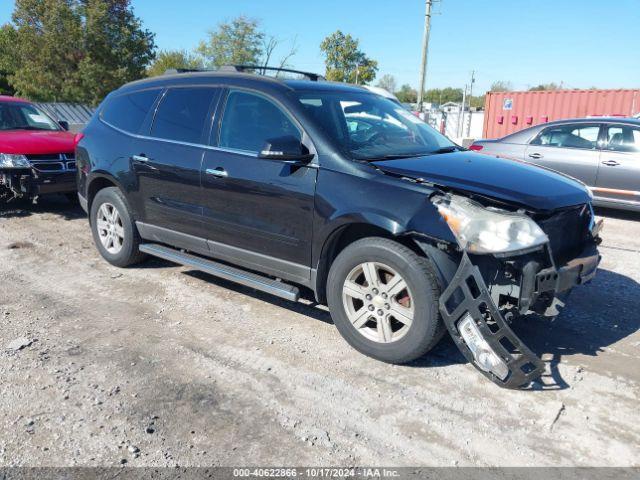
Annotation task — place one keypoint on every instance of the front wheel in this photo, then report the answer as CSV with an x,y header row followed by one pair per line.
x,y
383,298
114,231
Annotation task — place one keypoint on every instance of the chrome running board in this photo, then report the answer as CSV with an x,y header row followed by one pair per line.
x,y
220,270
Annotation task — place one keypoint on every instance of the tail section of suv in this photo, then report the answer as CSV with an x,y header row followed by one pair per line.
x,y
290,184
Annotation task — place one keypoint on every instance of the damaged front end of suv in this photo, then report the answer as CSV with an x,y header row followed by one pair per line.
x,y
25,177
510,262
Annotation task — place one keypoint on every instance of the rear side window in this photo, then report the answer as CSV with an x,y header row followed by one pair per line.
x,y
128,112
569,136
183,114
250,120
623,139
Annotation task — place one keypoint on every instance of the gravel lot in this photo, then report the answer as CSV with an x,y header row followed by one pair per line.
x,y
162,366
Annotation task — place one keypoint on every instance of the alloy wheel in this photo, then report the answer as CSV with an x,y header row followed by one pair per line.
x,y
378,302
110,229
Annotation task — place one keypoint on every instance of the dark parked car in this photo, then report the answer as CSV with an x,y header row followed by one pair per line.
x,y
36,153
402,233
603,153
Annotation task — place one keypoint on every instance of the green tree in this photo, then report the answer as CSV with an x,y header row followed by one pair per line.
x,y
388,82
238,42
173,59
501,86
77,50
7,57
406,94
48,49
443,95
477,101
545,86
345,62
118,49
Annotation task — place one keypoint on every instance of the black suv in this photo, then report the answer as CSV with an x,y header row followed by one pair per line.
x,y
292,184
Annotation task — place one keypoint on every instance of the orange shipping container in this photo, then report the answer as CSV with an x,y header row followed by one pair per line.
x,y
508,112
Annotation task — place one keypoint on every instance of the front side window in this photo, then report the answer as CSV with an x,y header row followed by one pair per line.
x,y
24,116
621,138
569,136
250,120
183,114
370,127
128,112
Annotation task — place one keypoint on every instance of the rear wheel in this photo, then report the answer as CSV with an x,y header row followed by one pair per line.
x,y
114,231
383,298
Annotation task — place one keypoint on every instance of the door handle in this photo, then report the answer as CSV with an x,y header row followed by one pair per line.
x,y
610,163
144,160
217,172
535,156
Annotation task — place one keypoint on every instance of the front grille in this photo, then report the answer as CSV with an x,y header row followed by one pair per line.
x,y
568,232
53,162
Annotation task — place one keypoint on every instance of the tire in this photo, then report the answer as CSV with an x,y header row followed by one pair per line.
x,y
128,239
409,340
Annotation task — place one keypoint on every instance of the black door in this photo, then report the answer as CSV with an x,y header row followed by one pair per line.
x,y
168,165
259,213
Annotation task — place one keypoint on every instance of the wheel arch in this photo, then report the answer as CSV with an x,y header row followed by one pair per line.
x,y
100,181
344,235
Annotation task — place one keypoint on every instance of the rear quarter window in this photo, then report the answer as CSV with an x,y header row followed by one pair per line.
x,y
128,112
183,114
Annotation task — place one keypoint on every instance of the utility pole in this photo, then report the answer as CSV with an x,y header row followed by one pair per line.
x,y
459,131
473,80
425,52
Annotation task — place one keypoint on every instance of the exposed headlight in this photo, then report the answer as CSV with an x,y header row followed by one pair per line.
x,y
8,160
485,230
485,357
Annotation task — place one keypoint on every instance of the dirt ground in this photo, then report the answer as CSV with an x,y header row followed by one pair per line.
x,y
161,366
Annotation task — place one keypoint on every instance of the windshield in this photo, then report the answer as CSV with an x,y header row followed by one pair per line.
x,y
371,127
24,116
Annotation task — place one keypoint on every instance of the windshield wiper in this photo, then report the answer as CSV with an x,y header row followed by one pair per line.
x,y
449,149
26,127
395,156
399,156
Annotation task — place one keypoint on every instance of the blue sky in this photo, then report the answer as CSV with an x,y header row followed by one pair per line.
x,y
582,43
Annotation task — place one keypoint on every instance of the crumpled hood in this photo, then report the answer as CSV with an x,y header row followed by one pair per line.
x,y
507,180
36,142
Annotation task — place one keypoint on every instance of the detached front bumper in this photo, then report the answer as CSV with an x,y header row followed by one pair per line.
x,y
482,333
31,183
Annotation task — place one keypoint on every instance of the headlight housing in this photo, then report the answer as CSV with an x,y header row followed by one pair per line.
x,y
480,230
8,160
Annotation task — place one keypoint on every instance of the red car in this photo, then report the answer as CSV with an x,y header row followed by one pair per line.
x,y
36,152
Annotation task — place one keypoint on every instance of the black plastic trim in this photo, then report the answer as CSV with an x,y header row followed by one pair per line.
x,y
265,264
524,366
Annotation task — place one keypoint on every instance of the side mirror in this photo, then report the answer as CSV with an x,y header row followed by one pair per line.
x,y
64,124
288,149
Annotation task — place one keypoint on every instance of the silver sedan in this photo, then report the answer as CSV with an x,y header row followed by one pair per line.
x,y
603,153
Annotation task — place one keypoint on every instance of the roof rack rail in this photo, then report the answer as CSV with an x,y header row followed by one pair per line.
x,y
173,71
314,77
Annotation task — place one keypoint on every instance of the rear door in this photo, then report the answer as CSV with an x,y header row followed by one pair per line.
x,y
619,172
168,163
259,213
569,148
130,114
